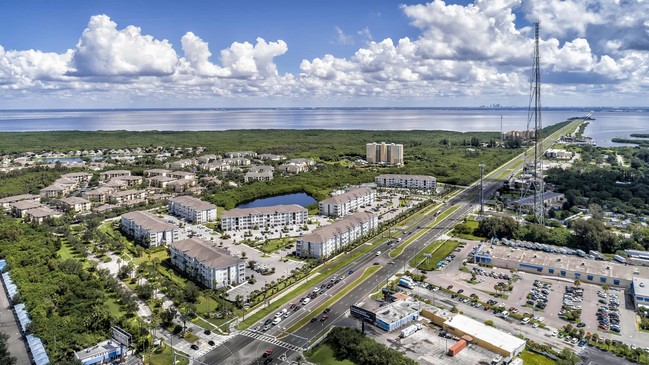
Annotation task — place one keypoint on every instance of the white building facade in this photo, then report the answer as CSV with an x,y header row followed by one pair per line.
x,y
328,240
192,209
147,229
348,202
211,266
406,181
273,216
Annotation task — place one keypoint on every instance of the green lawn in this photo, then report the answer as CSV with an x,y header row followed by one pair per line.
x,y
164,358
324,355
276,244
531,358
429,249
438,253
113,307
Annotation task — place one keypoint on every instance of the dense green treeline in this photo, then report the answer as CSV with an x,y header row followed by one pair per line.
x,y
66,302
350,343
27,181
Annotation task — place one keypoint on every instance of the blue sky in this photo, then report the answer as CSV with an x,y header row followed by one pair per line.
x,y
319,53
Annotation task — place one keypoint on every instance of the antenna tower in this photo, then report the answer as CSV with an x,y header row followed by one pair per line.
x,y
536,187
539,211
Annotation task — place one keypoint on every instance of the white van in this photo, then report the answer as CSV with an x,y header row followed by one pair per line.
x,y
378,253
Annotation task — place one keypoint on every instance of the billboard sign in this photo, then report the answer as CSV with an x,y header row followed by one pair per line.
x,y
121,336
363,314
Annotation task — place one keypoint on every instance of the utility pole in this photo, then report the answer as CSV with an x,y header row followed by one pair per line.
x,y
539,211
482,166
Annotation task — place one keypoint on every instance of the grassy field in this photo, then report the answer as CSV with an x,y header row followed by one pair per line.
x,y
471,224
276,244
349,287
439,250
164,358
324,355
531,358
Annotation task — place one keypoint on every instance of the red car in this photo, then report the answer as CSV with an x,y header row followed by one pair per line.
x,y
487,308
324,318
267,353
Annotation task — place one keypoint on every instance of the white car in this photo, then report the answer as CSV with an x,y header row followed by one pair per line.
x,y
526,320
277,320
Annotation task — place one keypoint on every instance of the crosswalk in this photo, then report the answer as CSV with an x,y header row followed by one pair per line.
x,y
270,339
205,348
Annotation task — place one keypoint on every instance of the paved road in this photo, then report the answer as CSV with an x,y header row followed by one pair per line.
x,y
247,347
9,325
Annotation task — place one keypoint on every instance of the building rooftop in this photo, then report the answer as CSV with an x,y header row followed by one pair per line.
x,y
126,193
161,178
112,172
481,331
242,212
193,203
396,311
338,227
348,196
405,177
556,261
41,212
74,200
26,204
547,196
641,287
17,198
204,252
157,171
149,221
102,348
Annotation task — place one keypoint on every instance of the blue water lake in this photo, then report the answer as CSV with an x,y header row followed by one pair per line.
x,y
302,199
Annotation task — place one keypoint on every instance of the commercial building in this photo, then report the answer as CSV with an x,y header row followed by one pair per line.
x,y
192,209
558,154
640,290
211,266
406,181
485,336
397,314
273,216
567,266
549,198
326,241
386,154
147,229
348,202
75,204
104,352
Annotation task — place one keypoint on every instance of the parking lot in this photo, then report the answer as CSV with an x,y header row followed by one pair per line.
x,y
550,297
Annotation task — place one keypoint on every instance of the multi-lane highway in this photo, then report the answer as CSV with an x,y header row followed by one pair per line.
x,y
248,346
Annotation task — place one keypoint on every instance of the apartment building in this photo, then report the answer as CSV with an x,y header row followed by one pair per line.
x,y
406,181
192,209
147,229
100,194
127,195
111,174
132,180
328,240
38,215
56,190
263,175
274,216
348,202
211,266
383,153
156,172
182,175
19,209
239,154
8,201
181,185
79,177
160,181
75,204
237,161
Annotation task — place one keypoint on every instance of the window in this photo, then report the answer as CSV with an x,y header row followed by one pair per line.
x,y
616,282
602,279
577,275
590,277
563,273
551,271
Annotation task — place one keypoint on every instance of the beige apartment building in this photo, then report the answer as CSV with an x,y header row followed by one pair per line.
x,y
385,154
